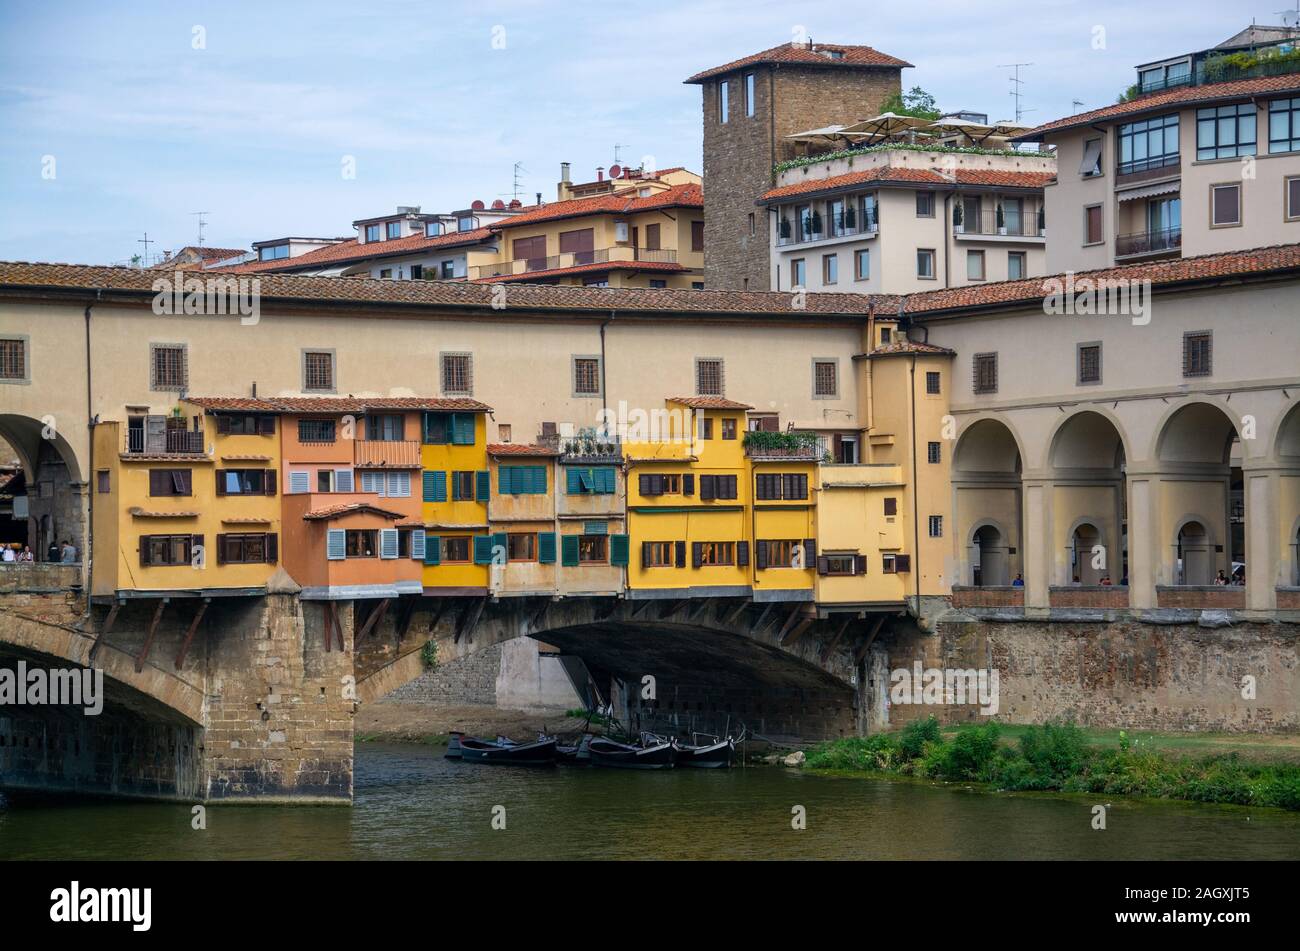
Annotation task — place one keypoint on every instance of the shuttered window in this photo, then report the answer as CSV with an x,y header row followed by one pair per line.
x,y
299,481
418,547
336,544
521,480
166,482
596,481
388,543
717,487
435,487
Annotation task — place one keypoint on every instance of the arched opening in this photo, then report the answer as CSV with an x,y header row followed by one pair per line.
x,y
987,503
1287,450
1201,501
41,503
1089,465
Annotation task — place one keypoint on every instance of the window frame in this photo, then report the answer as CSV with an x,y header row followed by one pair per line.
x,y
986,389
724,101
929,202
1214,119
578,392
1079,348
1292,111
1101,224
920,275
1241,211
834,364
1023,259
158,385
722,376
933,383
1188,338
24,342
443,375
860,255
308,352
973,254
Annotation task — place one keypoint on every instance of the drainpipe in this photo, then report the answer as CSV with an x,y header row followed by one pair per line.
x,y
916,486
947,235
88,541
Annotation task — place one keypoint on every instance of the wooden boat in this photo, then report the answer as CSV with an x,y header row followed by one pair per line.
x,y
715,753
506,752
651,752
453,745
577,754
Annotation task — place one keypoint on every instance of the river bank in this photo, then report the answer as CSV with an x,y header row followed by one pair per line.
x,y
430,724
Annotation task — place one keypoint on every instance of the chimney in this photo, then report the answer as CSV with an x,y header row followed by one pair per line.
x,y
539,198
564,172
600,173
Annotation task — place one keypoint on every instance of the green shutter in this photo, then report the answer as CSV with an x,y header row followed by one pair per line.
x,y
504,480
574,486
538,480
605,481
546,548
462,429
595,528
482,549
432,550
440,486
569,555
428,486
482,486
587,478
618,549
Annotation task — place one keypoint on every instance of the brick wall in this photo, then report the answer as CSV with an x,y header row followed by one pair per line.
x,y
1215,598
1089,596
1288,599
988,597
739,154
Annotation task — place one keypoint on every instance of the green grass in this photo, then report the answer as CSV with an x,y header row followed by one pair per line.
x,y
1063,757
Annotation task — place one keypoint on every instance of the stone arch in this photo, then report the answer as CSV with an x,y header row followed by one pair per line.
x,y
982,445
987,465
1092,430
990,540
1175,433
1285,440
1194,547
1085,534
1087,456
55,484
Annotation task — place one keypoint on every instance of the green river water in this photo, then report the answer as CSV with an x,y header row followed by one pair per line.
x,y
413,804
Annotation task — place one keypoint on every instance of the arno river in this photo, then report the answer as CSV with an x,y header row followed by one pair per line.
x,y
413,804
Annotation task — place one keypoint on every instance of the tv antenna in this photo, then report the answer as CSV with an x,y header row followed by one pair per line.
x,y
619,148
146,242
199,215
1016,83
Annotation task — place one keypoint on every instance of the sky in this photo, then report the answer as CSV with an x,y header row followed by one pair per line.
x,y
122,118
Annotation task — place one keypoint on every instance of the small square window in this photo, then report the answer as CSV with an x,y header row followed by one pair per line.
x,y
862,264
1092,225
825,379
394,230
169,367
986,373
936,526
1015,265
925,204
729,428
457,374
586,376
1225,206
1198,354
932,382
975,265
1089,363
708,377
933,453
830,268
13,358
925,264
318,370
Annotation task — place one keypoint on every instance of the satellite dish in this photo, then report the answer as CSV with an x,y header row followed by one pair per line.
x,y
615,171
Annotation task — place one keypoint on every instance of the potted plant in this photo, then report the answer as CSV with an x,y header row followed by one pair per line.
x,y
1001,219
850,218
958,225
816,222
783,229
1042,220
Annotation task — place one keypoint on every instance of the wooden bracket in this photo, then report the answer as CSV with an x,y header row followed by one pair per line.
x,y
149,635
469,620
376,615
189,634
865,646
104,631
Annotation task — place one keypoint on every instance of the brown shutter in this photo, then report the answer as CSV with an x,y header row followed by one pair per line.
x,y
268,482
272,548
221,481
823,565
809,550
769,424
727,487
859,564
697,554
221,549
681,554
688,484
266,425
707,487
902,562
645,554
760,554
223,425
145,553
157,484
742,554
196,541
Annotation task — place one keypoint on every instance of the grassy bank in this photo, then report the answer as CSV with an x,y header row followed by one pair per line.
x,y
1061,757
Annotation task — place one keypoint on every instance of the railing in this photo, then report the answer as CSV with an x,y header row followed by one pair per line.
x,y
172,442
1161,85
986,222
819,230
386,453
1148,166
1148,242
555,262
806,446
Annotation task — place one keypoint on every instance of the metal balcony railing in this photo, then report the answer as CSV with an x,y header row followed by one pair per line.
x,y
169,442
1148,242
1025,224
819,228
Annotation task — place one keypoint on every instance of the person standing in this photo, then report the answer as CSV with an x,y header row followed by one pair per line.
x,y
69,553
8,555
26,556
53,553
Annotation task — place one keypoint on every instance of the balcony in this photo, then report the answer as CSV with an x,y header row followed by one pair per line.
x,y
386,454
1138,244
624,255
168,442
1141,170
585,447
786,446
987,224
815,229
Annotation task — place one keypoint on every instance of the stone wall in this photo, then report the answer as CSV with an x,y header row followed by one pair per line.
x,y
468,680
1128,674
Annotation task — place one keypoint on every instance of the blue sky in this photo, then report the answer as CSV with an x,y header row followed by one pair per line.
x,y
253,127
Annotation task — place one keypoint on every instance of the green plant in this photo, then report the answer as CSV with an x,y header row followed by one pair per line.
x,y
429,654
911,743
789,442
915,102
889,146
957,214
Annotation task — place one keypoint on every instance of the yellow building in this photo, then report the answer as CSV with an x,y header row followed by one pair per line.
x,y
455,490
640,230
782,474
187,502
861,530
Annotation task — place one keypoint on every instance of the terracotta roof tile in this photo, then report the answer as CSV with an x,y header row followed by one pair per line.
x,y
354,250
1185,96
909,346
667,267
337,404
807,54
626,202
708,402
520,449
138,512
1228,264
348,508
885,174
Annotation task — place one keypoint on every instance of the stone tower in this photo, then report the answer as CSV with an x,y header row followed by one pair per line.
x,y
750,106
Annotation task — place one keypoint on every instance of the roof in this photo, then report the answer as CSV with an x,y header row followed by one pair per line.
x,y
907,347
808,54
353,250
1228,264
1183,96
626,202
708,402
336,404
886,174
116,284
520,449
350,508
669,267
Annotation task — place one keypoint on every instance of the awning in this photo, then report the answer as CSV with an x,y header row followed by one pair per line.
x,y
1163,188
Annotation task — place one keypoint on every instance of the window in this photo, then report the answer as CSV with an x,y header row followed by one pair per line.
x,y
936,526
318,371
724,100
521,480
652,237
457,374
386,273
1225,205
886,334
776,553
465,223
798,273
386,427
362,543
986,373
1291,198
1091,164
708,376
932,382
447,270
830,268
273,253
657,283
791,486
1198,353
393,230
593,549
891,507
316,430
699,285
456,429
749,94
1015,265
246,549
933,453
102,485
580,480
1166,76
842,564
729,428
245,424
1225,132
168,370
706,427
417,272
462,486
975,265
753,225
455,549
717,487
826,382
925,204
660,484
521,546
432,229
164,482
1284,125
386,484
1092,233
1089,363
1152,143
925,263
656,554
13,358
862,264
245,482
713,554
168,549
372,233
